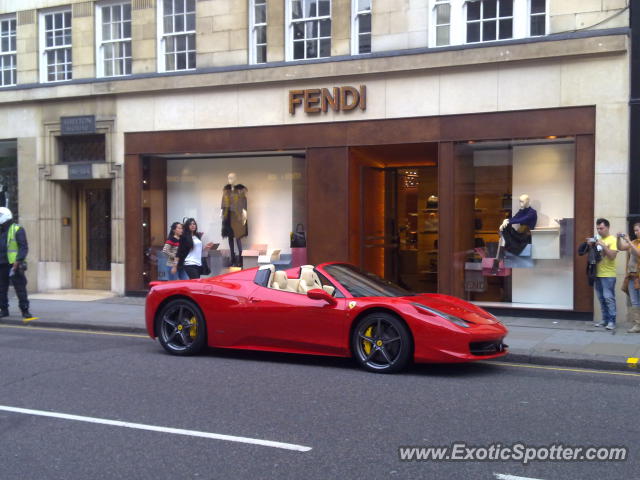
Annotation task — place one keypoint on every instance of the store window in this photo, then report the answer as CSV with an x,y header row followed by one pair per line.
x,y
113,39
275,190
55,46
516,215
9,175
258,31
361,26
309,30
177,42
7,51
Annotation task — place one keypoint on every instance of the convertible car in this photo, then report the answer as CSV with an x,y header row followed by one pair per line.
x,y
332,309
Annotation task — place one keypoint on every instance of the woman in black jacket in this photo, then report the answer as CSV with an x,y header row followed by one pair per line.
x,y
191,250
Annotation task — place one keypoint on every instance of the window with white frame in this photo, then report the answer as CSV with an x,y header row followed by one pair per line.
x,y
361,26
457,22
489,20
177,42
258,31
55,45
309,29
7,51
537,18
113,32
441,14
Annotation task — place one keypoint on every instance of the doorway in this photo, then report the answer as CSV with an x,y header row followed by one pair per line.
x,y
91,235
399,215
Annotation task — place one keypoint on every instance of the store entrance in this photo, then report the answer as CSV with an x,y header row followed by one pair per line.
x,y
399,220
91,224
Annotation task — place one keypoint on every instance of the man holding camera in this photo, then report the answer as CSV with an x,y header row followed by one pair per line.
x,y
13,251
605,282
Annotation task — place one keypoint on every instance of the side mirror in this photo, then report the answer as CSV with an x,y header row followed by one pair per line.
x,y
319,294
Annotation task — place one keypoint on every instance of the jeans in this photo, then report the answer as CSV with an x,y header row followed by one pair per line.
x,y
606,290
634,295
179,275
192,271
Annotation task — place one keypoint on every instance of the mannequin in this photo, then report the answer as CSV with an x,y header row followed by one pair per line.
x,y
515,240
234,216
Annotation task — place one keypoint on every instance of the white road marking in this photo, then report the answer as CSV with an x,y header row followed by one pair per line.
x,y
153,428
503,476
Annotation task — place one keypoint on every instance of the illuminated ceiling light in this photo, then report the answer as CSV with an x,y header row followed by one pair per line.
x,y
552,137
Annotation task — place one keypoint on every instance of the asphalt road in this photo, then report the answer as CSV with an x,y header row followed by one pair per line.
x,y
352,421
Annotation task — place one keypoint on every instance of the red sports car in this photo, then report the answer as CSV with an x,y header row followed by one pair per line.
x,y
332,309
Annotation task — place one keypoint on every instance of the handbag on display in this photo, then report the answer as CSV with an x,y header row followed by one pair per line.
x,y
298,237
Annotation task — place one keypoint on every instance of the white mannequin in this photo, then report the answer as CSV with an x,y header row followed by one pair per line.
x,y
525,202
232,180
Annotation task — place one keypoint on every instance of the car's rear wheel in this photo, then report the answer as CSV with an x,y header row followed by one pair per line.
x,y
181,328
381,343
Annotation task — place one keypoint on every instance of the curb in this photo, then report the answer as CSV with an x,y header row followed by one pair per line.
x,y
594,362
76,326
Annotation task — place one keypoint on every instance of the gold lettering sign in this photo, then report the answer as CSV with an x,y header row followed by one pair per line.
x,y
316,100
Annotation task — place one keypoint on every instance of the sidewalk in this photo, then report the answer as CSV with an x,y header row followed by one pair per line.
x,y
570,343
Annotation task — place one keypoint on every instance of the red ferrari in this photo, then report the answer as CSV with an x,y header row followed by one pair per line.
x,y
332,309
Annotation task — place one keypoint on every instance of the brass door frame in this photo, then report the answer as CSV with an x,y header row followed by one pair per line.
x,y
82,277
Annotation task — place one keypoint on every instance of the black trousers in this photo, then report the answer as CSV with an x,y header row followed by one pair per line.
x,y
192,271
235,261
19,281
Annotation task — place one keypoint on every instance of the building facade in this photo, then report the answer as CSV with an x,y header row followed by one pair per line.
x,y
398,134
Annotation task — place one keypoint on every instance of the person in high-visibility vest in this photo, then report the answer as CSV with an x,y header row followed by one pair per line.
x,y
13,251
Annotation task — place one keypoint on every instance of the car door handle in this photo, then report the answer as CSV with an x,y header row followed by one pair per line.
x,y
255,300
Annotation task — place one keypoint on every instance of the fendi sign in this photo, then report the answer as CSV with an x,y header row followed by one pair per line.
x,y
316,100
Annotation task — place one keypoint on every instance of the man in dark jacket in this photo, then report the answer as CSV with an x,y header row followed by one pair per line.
x,y
13,251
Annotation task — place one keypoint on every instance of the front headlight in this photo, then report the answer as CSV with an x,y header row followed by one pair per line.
x,y
453,319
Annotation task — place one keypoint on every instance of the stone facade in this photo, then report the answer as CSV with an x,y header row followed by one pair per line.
x,y
572,72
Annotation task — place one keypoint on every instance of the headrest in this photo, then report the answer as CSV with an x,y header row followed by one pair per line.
x,y
306,276
280,280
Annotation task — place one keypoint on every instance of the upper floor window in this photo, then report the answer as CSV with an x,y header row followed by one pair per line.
x,y
113,39
456,22
7,51
55,45
441,14
361,26
537,18
258,31
489,20
177,42
309,31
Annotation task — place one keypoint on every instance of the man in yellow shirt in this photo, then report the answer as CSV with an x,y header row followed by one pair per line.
x,y
606,274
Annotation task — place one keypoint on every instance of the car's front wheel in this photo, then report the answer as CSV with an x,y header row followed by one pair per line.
x,y
181,328
382,343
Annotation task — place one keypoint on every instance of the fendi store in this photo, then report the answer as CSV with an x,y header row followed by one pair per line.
x,y
420,201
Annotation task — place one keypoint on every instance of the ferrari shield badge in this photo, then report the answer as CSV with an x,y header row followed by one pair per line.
x,y
352,304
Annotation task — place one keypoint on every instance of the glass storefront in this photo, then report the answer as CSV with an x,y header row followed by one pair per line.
x,y
9,176
516,202
181,188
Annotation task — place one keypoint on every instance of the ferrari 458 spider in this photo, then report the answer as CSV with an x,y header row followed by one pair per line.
x,y
331,309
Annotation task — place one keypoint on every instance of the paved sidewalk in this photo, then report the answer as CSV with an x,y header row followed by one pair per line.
x,y
570,343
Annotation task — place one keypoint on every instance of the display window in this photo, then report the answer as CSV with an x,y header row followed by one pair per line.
x,y
515,207
9,176
249,210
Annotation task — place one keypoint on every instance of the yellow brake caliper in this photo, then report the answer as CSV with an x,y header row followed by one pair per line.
x,y
365,343
193,329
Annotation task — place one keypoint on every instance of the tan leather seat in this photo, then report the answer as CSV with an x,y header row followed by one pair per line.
x,y
307,281
281,282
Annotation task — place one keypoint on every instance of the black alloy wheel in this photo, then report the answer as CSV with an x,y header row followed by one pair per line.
x,y
382,343
181,328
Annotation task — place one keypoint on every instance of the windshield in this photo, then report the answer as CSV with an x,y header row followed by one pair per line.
x,y
364,284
